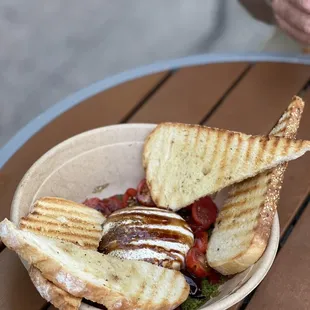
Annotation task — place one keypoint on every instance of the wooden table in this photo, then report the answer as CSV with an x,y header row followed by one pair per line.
x,y
244,96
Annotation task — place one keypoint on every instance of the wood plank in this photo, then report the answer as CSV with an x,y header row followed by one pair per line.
x,y
106,108
255,103
253,107
16,289
287,284
190,94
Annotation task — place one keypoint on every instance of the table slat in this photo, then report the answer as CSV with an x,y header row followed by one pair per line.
x,y
190,94
108,107
16,289
287,284
258,100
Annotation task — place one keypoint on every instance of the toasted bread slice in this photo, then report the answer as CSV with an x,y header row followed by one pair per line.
x,y
243,226
65,220
186,162
115,283
68,221
53,294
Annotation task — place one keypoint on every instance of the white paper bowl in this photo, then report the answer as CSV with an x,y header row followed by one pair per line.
x,y
113,155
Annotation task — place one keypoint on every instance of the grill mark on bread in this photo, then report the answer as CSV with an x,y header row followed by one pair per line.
x,y
249,151
223,159
275,144
261,151
33,221
197,138
229,226
59,234
234,204
244,191
214,153
68,213
240,213
63,204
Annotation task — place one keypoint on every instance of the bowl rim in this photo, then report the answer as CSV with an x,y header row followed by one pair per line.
x,y
224,303
59,146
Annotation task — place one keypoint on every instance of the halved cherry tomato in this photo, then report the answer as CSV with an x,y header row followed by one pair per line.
x,y
204,212
214,277
144,195
105,206
113,203
192,224
201,241
129,196
97,204
196,263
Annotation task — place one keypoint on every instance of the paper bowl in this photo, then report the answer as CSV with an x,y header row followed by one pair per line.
x,y
113,155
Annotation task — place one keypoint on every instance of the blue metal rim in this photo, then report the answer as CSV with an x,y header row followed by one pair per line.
x,y
53,112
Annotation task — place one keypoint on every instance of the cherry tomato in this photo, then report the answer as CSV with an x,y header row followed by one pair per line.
x,y
201,241
113,203
129,196
214,277
97,204
192,224
144,195
105,206
196,263
204,212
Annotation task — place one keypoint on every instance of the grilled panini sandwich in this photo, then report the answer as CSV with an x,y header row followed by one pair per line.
x,y
186,162
243,226
67,221
115,283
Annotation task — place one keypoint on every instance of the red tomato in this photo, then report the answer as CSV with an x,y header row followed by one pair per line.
x,y
194,227
214,277
113,203
204,212
201,241
144,195
105,206
129,195
97,204
196,263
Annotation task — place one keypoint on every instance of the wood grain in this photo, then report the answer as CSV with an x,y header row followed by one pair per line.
x,y
16,289
258,100
287,284
190,94
108,107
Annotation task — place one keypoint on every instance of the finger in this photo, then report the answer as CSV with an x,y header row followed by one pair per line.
x,y
293,32
303,5
292,15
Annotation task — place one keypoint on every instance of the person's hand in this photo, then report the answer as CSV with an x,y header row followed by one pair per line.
x,y
293,16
